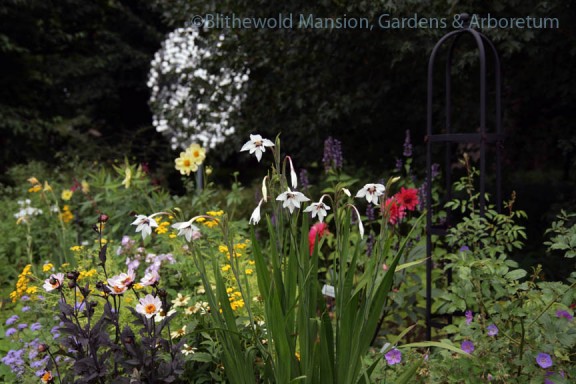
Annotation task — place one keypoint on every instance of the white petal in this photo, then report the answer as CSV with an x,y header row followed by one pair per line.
x,y
247,146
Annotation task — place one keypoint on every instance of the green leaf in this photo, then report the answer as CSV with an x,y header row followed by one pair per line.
x,y
515,274
410,264
439,344
406,376
202,357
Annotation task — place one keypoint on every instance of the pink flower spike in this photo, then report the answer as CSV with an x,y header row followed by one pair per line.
x,y
317,230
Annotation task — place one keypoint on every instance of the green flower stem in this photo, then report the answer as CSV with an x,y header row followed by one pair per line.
x,y
521,347
55,365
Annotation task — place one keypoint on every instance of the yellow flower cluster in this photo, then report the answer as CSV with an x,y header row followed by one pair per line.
x,y
211,223
66,215
190,159
22,286
76,248
222,248
87,274
235,297
47,267
162,226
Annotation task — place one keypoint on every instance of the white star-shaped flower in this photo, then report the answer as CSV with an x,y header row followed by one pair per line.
x,y
187,229
255,217
144,224
371,192
257,145
318,209
291,199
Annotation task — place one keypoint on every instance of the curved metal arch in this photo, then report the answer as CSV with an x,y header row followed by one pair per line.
x,y
483,44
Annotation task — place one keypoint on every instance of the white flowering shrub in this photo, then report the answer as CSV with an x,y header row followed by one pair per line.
x,y
194,94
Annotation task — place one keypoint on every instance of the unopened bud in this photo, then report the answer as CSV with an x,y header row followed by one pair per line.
x,y
103,218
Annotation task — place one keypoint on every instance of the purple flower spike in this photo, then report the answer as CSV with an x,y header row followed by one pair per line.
x,y
544,360
332,158
469,316
393,356
467,346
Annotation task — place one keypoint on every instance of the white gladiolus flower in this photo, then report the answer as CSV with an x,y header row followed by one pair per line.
x,y
255,217
187,229
291,199
371,192
318,209
145,223
293,178
257,145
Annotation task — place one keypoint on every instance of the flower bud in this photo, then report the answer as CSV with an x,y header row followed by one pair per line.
x,y
42,347
103,218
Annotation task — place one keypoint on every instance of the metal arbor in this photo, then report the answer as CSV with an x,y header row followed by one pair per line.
x,y
482,138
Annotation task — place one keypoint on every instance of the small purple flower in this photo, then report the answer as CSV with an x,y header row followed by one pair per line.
x,y
467,346
552,373
492,330
22,326
565,314
394,356
25,298
25,308
10,332
33,354
36,327
469,316
464,248
12,319
544,360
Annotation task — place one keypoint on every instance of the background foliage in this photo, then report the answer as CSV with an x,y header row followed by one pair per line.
x,y
75,72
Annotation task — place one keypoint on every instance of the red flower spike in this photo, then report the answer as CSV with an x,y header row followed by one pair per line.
x,y
319,230
395,210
